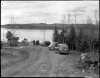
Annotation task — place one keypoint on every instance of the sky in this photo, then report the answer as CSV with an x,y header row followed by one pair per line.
x,y
26,12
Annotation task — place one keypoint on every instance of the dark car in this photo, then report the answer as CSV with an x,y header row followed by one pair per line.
x,y
45,43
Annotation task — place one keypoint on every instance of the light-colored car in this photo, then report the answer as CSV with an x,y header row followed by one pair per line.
x,y
62,48
52,46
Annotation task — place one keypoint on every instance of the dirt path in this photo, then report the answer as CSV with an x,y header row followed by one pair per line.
x,y
43,63
44,66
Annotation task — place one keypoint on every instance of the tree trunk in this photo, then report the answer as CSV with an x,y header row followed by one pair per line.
x,y
63,40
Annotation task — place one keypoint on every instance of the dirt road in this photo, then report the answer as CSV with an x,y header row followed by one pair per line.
x,y
42,65
46,63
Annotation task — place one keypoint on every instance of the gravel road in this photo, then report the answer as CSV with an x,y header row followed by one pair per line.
x,y
43,63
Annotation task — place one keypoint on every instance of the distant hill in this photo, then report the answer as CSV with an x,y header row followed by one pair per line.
x,y
35,26
32,26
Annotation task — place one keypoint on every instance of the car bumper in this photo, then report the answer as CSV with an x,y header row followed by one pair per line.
x,y
51,48
64,51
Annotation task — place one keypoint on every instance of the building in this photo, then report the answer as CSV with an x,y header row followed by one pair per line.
x,y
13,41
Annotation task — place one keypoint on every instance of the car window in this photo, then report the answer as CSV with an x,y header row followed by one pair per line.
x,y
58,45
63,45
55,45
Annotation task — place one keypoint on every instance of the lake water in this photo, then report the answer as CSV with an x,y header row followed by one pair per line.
x,y
30,34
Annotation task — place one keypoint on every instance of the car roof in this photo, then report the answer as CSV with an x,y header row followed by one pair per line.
x,y
45,41
61,44
54,42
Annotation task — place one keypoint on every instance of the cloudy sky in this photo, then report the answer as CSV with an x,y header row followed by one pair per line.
x,y
52,11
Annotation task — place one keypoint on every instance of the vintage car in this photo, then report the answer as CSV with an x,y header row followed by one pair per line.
x,y
52,46
45,43
62,48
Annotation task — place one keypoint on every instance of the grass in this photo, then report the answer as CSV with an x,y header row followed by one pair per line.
x,y
13,59
71,64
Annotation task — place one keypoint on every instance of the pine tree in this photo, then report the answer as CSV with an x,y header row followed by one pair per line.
x,y
61,36
79,39
55,34
72,37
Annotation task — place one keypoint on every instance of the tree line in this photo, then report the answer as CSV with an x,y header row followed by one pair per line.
x,y
81,38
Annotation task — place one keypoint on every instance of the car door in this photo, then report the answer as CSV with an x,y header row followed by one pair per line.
x,y
58,46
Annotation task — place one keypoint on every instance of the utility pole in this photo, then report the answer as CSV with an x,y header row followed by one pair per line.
x,y
44,31
63,36
3,34
63,33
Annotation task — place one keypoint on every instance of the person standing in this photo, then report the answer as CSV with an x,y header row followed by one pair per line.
x,y
26,41
34,42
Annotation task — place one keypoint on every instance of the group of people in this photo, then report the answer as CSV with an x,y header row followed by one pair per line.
x,y
35,43
25,42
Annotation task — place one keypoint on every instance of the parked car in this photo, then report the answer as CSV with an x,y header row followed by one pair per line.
x,y
52,46
62,48
45,43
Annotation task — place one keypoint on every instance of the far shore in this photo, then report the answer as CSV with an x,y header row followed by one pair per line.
x,y
37,26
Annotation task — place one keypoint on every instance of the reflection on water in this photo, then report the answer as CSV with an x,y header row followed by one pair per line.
x,y
29,34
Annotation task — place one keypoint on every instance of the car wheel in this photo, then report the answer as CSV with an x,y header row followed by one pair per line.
x,y
67,53
52,49
56,51
59,52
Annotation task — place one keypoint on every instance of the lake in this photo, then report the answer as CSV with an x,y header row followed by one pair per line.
x,y
30,34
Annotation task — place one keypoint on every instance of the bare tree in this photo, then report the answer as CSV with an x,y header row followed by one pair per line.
x,y
90,33
96,16
75,18
66,19
13,30
89,20
69,18
63,20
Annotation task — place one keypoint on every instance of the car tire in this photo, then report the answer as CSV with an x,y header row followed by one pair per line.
x,y
52,49
67,53
55,51
59,52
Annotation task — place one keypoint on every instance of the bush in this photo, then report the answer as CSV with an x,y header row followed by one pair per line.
x,y
9,35
91,61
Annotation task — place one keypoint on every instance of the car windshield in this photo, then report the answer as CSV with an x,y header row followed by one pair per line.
x,y
52,44
63,45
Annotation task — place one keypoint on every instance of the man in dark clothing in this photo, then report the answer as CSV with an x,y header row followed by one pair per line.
x,y
37,42
34,42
